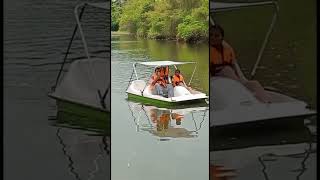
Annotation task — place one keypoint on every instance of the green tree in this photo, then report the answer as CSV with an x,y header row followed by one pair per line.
x,y
164,19
116,12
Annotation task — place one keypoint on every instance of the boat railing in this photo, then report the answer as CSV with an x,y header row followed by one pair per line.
x,y
76,14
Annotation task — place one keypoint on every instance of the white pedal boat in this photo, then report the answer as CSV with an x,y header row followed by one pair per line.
x,y
139,90
232,104
85,89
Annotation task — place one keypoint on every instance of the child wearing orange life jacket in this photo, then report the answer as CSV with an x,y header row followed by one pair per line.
x,y
222,63
178,80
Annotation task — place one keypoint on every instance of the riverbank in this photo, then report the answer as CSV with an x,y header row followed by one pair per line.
x,y
120,33
180,40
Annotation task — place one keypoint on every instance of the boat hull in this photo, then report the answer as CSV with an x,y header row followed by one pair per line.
x,y
81,116
161,103
256,126
138,90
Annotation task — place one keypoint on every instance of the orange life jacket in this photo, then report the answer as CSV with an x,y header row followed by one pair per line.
x,y
177,79
226,57
160,81
164,72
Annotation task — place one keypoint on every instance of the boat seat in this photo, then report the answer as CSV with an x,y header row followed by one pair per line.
x,y
180,91
82,82
139,85
227,92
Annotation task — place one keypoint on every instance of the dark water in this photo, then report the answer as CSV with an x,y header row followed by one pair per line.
x,y
288,64
37,145
146,142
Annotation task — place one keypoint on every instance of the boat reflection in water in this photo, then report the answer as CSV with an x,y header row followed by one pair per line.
x,y
261,154
168,123
85,142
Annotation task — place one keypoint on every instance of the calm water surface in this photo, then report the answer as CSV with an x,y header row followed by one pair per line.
x,y
38,142
150,142
288,64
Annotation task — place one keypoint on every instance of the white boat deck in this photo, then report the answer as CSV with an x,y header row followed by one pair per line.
x,y
238,105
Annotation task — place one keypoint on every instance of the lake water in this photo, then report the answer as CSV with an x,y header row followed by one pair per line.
x,y
288,64
38,142
149,142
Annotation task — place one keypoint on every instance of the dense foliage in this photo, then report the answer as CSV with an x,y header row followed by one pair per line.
x,y
162,19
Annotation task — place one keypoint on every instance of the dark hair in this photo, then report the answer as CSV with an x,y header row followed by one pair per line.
x,y
177,70
217,27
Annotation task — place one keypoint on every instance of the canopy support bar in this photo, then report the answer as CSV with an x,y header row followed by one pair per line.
x,y
130,79
68,50
266,39
135,71
194,70
80,29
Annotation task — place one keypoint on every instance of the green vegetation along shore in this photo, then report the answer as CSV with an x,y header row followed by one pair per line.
x,y
183,20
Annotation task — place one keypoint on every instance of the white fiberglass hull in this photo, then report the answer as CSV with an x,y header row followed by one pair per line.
x,y
231,103
81,83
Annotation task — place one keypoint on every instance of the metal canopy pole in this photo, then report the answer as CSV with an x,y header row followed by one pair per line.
x,y
68,49
266,39
194,70
135,72
212,21
80,29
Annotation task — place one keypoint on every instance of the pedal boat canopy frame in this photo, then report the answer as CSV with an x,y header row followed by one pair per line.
x,y
218,7
162,63
105,6
78,12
